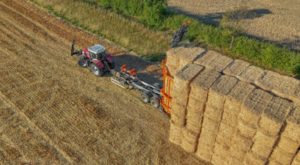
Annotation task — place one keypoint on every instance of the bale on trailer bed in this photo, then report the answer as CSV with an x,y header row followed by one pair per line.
x,y
288,145
225,134
281,156
253,159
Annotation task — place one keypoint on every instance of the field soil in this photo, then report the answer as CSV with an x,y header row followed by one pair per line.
x,y
54,112
273,20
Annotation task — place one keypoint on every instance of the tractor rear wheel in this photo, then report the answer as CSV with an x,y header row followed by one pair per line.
x,y
97,71
83,62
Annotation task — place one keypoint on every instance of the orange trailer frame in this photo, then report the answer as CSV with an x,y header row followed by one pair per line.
x,y
166,99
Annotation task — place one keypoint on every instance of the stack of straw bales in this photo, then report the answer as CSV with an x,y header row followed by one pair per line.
x,y
229,112
195,107
213,115
181,92
269,127
289,142
247,125
229,121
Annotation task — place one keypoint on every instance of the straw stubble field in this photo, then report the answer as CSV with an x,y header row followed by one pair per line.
x,y
52,111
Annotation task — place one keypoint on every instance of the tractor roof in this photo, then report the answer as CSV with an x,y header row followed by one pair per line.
x,y
97,49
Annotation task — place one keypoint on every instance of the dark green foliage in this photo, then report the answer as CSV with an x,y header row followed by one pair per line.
x,y
150,12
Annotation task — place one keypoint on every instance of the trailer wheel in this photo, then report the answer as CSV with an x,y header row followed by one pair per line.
x,y
97,71
155,102
83,62
146,98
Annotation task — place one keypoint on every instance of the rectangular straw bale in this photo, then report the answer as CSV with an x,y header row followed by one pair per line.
x,y
225,134
183,78
281,156
194,124
251,74
253,159
178,120
292,129
241,143
241,91
173,70
220,150
230,118
237,153
288,145
175,134
207,138
233,161
216,61
236,68
195,110
210,125
188,55
246,130
173,56
203,82
189,140
263,144
204,152
296,160
283,86
274,115
254,105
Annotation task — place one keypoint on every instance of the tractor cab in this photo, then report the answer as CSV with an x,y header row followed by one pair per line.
x,y
97,51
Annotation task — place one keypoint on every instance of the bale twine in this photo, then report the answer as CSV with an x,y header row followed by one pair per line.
x,y
246,130
288,145
189,140
281,156
253,159
175,134
263,144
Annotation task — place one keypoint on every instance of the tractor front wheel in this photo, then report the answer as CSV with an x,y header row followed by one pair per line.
x,y
97,71
83,62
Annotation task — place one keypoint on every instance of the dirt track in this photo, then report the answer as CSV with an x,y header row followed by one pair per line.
x,y
52,111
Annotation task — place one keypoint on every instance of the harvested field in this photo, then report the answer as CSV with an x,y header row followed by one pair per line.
x,y
52,111
274,20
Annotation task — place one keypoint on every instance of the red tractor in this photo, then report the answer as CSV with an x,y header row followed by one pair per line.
x,y
94,58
